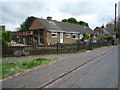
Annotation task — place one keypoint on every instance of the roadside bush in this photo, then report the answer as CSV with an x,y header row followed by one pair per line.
x,y
89,46
19,53
101,38
109,38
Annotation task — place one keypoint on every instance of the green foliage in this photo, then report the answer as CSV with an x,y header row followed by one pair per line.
x,y
109,25
101,38
26,24
82,23
89,46
6,36
74,21
11,68
108,38
118,35
64,20
86,36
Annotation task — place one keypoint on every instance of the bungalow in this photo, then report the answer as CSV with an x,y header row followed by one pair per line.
x,y
47,31
104,31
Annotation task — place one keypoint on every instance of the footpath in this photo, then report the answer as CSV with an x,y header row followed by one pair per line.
x,y
41,76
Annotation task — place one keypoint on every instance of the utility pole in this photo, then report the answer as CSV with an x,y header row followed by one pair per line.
x,y
115,23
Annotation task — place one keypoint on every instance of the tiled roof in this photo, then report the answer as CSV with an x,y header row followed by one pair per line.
x,y
54,25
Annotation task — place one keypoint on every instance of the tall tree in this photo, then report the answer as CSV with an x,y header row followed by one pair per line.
x,y
26,24
83,23
74,21
64,20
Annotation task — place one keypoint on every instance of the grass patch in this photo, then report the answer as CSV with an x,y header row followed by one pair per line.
x,y
11,68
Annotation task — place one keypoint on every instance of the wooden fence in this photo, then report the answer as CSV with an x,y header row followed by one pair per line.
x,y
48,49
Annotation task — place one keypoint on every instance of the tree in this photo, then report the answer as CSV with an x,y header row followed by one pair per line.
x,y
109,25
81,22
74,21
26,24
64,20
6,36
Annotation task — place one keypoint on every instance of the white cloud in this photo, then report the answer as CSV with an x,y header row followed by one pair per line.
x,y
95,12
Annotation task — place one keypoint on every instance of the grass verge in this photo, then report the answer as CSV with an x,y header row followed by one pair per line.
x,y
11,68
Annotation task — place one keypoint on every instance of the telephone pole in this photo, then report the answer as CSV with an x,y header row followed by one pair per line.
x,y
115,23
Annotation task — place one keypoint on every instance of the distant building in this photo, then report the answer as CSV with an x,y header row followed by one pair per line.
x,y
2,28
104,31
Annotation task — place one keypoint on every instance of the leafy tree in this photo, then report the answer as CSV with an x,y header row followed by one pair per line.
x,y
74,21
6,36
109,25
64,20
26,24
81,22
87,24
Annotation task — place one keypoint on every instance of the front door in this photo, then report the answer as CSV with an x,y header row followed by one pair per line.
x,y
61,37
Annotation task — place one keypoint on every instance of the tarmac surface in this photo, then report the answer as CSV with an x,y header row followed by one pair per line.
x,y
40,76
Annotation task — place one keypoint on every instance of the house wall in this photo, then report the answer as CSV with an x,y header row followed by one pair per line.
x,y
99,31
51,39
36,25
70,39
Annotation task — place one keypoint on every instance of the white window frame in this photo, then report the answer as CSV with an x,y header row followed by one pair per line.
x,y
68,35
76,36
55,33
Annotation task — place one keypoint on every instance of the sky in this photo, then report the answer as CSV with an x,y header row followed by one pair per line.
x,y
94,12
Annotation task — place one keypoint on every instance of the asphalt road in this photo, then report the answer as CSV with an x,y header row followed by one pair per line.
x,y
40,76
100,73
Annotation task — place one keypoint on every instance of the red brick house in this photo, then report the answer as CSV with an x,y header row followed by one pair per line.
x,y
104,31
46,31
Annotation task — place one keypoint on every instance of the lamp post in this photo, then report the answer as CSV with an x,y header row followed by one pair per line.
x,y
115,23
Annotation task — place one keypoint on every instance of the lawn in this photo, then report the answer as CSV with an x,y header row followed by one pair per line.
x,y
11,68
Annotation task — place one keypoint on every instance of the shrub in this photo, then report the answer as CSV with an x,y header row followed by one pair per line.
x,y
89,46
101,38
19,53
108,38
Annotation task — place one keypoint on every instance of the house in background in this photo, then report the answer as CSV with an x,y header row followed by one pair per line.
x,y
104,31
2,28
48,31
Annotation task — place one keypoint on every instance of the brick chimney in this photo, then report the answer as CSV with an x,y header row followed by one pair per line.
x,y
49,18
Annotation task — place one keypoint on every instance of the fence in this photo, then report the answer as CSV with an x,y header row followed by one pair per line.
x,y
48,49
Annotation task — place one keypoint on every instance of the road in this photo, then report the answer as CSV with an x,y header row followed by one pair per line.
x,y
99,73
42,76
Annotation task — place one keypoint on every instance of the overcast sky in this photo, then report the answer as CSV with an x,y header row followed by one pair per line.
x,y
94,12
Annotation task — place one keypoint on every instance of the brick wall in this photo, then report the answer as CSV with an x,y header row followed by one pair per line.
x,y
69,39
99,31
51,39
36,25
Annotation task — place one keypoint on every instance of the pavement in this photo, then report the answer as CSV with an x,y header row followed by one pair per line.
x,y
40,76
